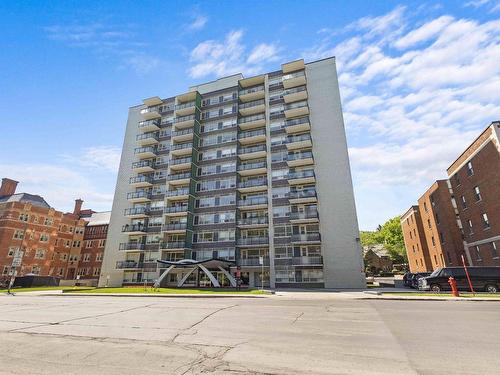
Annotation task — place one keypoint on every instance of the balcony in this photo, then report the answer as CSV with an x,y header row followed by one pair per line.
x,y
252,152
294,95
143,166
253,262
179,178
187,97
181,163
250,137
299,159
139,196
253,222
301,177
296,109
307,237
252,93
304,217
181,149
252,122
253,203
172,245
296,142
152,101
299,261
127,264
149,125
294,79
293,66
252,241
250,169
150,113
253,185
297,125
131,246
136,212
145,152
182,135
175,210
302,196
147,139
185,108
184,122
175,228
140,181
134,229
251,108
178,194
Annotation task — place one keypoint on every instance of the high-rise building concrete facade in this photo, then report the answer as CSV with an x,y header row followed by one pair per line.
x,y
249,170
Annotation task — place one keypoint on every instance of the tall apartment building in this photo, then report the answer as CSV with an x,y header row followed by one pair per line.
x,y
475,180
238,169
49,239
460,215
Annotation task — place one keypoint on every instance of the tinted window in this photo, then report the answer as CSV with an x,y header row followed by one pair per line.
x,y
445,272
458,272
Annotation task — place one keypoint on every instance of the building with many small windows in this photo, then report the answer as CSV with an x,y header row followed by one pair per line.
x,y
253,172
459,216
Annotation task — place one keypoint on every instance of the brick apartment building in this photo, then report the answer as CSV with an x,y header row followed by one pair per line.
x,y
51,240
460,215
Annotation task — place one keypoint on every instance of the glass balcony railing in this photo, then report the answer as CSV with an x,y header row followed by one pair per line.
x,y
173,245
252,104
299,156
249,150
179,176
143,150
293,75
140,179
180,161
133,228
131,246
302,104
302,194
181,146
307,237
139,194
142,164
148,124
251,90
182,132
254,133
253,262
146,136
304,215
252,183
253,221
301,174
252,201
177,192
175,209
136,211
252,241
185,105
298,138
184,118
176,226
246,119
124,264
297,121
246,167
294,90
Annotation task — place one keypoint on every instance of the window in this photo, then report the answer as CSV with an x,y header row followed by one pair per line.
x,y
486,221
457,180
98,257
63,256
5,270
471,230
464,203
441,237
494,252
478,253
35,269
429,223
433,241
425,206
39,254
470,170
12,251
24,217
48,221
44,237
76,243
18,234
86,257
102,243
438,221
88,244
477,194
96,271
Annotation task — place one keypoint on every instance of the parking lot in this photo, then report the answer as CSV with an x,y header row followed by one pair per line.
x,y
293,333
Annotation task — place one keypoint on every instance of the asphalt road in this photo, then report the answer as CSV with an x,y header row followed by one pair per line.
x,y
303,333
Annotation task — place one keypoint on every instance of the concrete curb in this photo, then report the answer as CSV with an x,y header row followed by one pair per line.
x,y
159,295
400,298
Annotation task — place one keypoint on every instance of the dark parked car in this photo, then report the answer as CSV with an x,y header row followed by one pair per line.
x,y
484,279
417,276
407,279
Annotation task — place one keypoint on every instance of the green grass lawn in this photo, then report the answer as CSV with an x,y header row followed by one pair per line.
x,y
43,288
149,290
465,294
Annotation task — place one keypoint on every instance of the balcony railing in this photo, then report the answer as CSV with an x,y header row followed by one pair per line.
x,y
180,161
136,211
185,105
175,209
302,194
253,221
299,156
179,176
182,132
293,75
254,133
301,174
184,118
181,146
134,228
246,119
176,226
173,245
142,164
139,179
141,137
131,246
141,150
251,90
148,123
308,237
298,261
294,90
177,192
252,183
297,121
298,138
253,262
252,201
252,241
139,194
248,150
303,215
124,264
246,167
252,104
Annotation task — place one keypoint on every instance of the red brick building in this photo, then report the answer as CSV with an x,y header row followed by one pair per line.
x,y
461,215
475,180
53,243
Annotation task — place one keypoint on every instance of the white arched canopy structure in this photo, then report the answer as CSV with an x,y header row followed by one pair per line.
x,y
204,265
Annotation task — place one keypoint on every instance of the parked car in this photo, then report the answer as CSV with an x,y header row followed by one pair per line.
x,y
484,279
417,276
407,279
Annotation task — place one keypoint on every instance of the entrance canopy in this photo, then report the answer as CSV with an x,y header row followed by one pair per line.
x,y
203,265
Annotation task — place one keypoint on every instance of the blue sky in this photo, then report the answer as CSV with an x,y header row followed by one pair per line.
x,y
418,80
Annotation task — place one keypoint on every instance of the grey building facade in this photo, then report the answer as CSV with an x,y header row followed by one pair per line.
x,y
250,170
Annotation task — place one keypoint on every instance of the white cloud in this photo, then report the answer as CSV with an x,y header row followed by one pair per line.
x,y
198,22
105,158
228,56
424,33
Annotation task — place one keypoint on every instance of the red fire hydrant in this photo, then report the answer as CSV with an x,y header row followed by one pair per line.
x,y
453,284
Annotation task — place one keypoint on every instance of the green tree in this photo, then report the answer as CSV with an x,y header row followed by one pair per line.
x,y
390,235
